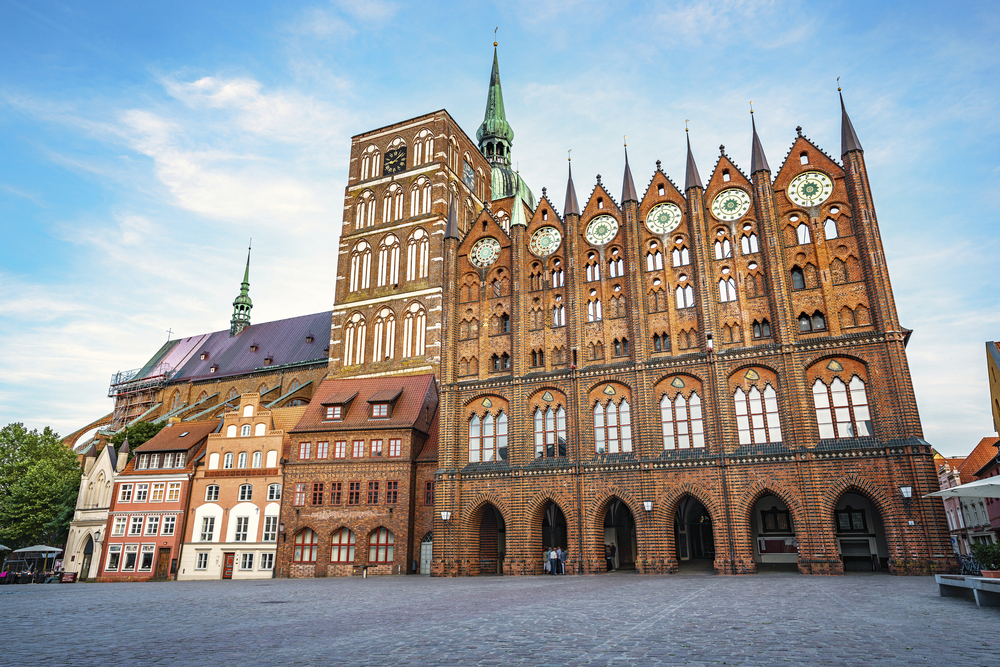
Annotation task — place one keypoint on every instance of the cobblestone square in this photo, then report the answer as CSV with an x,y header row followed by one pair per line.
x,y
616,619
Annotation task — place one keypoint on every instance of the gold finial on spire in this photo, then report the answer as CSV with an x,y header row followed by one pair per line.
x,y
751,106
838,84
569,155
495,36
686,121
625,140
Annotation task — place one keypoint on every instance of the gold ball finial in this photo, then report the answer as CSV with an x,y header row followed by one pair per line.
x,y
495,44
751,106
495,36
838,84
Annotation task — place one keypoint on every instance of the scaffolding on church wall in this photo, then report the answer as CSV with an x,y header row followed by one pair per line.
x,y
135,395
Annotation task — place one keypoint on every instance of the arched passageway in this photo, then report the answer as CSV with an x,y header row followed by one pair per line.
x,y
553,527
694,536
860,534
620,536
492,541
775,545
88,555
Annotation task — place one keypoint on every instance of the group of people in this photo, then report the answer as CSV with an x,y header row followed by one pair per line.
x,y
555,560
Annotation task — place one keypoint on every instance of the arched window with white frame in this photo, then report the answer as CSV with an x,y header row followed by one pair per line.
x,y
685,296
723,249
361,266
364,211
414,331
681,256
727,290
749,244
354,340
757,419
417,255
550,431
802,233
612,427
842,411
384,346
388,261
370,163
392,204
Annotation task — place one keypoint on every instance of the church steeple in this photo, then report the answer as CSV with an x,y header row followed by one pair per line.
x,y
572,207
628,187
691,178
242,304
848,137
495,134
758,162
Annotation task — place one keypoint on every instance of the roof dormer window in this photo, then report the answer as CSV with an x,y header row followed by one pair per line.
x,y
334,413
204,356
380,410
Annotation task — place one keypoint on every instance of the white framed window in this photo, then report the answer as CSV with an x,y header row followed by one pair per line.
x,y
682,422
207,528
146,557
201,561
242,526
245,430
270,529
212,492
685,296
258,458
135,526
173,492
131,554
246,492
227,462
125,493
152,525
169,524
727,290
143,462
613,427
154,461
272,459
246,561
179,459
141,493
388,261
267,561
361,266
418,250
843,406
168,460
355,333
757,418
157,494
121,523
802,233
749,244
414,330
242,460
274,491
114,558
830,228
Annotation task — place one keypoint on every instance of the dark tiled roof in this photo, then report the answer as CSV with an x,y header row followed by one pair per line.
x,y
430,449
184,435
283,341
415,407
339,398
385,395
980,456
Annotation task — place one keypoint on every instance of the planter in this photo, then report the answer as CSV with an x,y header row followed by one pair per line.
x,y
991,574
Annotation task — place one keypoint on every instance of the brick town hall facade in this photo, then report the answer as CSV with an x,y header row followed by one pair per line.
x,y
714,373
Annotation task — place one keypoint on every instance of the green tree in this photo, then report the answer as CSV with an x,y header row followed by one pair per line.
x,y
137,434
39,481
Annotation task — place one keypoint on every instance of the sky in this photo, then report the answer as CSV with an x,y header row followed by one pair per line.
x,y
143,144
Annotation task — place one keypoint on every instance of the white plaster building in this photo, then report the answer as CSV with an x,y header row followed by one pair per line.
x,y
86,532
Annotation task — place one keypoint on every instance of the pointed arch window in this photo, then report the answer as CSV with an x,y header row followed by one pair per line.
x,y
681,256
761,329
342,546
550,432
682,422
423,148
685,296
749,244
593,268
814,322
354,340
361,266
830,229
558,277
388,261
723,249
842,411
559,316
365,210
727,290
616,266
594,310
798,278
392,204
654,260
613,427
385,336
757,418
802,234
414,331
417,255
370,163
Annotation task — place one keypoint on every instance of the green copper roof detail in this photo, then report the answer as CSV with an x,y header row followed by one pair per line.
x,y
495,134
242,304
517,218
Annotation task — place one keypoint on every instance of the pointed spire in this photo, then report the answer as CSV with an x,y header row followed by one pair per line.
x,y
242,304
451,229
124,449
495,134
848,137
517,218
758,162
572,206
691,178
628,187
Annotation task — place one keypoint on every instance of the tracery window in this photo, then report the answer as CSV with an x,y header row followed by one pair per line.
x,y
500,362
420,197
361,266
593,268
681,256
761,329
550,432
417,255
414,331
355,332
423,148
621,347
682,422
559,315
843,406
727,290
385,336
723,249
370,162
616,265
392,204
488,437
815,322
365,210
612,427
757,418
654,260
558,277
594,310
661,342
798,279
388,261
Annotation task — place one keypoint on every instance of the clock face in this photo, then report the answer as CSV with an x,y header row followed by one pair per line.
x,y
731,204
810,189
545,241
485,252
602,229
395,161
663,219
468,175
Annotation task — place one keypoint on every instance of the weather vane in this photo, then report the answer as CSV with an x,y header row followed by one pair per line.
x,y
838,84
569,155
625,140
686,121
495,35
751,106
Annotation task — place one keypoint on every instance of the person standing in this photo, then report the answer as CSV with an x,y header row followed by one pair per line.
x,y
554,561
611,561
562,560
546,565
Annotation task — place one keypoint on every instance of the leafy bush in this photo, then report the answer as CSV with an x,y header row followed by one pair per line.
x,y
988,555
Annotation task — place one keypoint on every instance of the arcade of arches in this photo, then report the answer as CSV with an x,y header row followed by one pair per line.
x,y
683,536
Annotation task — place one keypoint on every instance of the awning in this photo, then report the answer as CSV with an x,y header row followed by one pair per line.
x,y
38,548
981,488
3,548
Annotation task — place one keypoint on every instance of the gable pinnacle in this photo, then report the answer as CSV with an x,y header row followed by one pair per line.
x,y
691,179
451,229
572,206
848,137
628,187
758,161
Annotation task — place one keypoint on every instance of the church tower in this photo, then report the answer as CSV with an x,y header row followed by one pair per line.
x,y
242,304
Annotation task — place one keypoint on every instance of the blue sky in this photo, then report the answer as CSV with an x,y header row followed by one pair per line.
x,y
142,144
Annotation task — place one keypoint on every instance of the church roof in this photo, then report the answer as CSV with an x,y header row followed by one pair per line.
x,y
506,181
285,342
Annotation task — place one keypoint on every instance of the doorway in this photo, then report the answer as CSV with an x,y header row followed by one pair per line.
x,y
229,560
775,545
492,541
694,536
426,553
619,532
860,534
163,564
88,554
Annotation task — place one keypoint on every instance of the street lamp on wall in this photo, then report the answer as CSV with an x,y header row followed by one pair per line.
x,y
281,529
445,516
647,505
907,493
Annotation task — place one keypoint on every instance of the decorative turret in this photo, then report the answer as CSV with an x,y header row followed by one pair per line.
x,y
572,206
495,137
451,229
758,162
517,218
691,178
628,187
242,304
848,137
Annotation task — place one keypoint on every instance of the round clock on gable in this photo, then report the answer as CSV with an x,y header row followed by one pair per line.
x,y
810,189
484,252
601,230
545,241
664,218
731,204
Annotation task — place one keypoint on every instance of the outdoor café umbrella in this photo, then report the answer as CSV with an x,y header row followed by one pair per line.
x,y
41,549
981,488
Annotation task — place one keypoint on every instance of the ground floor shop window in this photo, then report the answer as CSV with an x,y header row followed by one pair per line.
x,y
131,554
114,558
146,559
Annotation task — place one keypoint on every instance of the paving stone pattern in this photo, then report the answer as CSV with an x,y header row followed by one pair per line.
x,y
614,619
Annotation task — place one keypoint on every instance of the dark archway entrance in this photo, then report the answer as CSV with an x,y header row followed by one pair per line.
x,y
860,534
492,541
619,532
694,537
88,554
775,545
553,527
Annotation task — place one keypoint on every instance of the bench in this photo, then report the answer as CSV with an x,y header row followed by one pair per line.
x,y
986,592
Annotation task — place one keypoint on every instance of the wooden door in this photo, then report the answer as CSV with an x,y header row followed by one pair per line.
x,y
227,569
163,565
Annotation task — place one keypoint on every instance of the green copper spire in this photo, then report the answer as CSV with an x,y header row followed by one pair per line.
x,y
242,304
495,135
